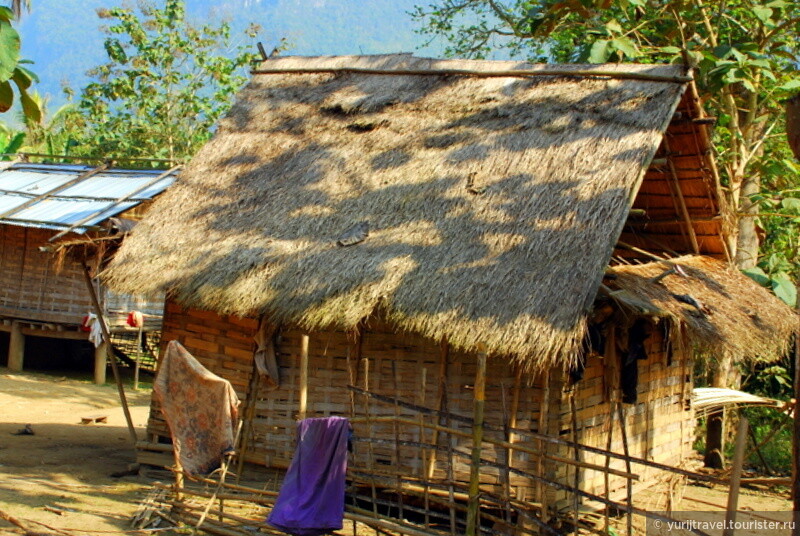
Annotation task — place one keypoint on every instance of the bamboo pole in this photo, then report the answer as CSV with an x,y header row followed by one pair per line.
x,y
736,475
577,454
498,443
473,522
107,338
371,455
249,414
554,484
521,73
629,488
544,410
225,463
444,354
396,430
303,377
683,211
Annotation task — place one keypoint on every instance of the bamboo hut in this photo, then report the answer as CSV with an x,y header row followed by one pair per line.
x,y
47,208
482,245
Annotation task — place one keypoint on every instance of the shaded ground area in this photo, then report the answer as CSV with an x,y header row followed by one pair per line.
x,y
67,465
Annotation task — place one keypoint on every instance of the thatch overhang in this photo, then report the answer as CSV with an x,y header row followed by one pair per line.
x,y
493,200
719,309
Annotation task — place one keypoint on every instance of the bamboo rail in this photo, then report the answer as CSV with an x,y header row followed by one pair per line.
x,y
547,439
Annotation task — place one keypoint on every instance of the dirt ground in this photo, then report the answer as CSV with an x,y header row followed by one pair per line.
x,y
67,466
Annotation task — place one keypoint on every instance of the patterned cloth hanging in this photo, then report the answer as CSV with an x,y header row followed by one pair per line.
x,y
200,409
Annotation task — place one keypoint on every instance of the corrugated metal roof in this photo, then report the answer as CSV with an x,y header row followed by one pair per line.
x,y
93,198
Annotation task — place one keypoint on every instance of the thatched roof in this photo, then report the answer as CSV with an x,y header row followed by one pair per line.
x,y
733,314
493,202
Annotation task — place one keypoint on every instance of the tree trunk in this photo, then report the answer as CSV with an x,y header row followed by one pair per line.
x,y
725,374
747,239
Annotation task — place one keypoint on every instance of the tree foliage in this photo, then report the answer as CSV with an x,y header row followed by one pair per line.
x,y
165,85
744,54
12,72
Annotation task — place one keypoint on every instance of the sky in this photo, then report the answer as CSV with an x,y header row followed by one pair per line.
x,y
64,37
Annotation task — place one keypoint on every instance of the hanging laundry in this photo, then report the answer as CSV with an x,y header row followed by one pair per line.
x,y
266,361
92,324
311,500
200,409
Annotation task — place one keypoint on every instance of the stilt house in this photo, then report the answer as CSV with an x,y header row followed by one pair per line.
x,y
44,207
388,226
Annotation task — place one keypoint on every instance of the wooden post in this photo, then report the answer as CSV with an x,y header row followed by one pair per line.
x,y
441,401
16,348
100,362
736,476
303,377
477,439
107,337
543,428
629,484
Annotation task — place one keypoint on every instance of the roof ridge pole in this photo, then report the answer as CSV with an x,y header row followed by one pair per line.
x,y
80,178
509,73
116,202
479,391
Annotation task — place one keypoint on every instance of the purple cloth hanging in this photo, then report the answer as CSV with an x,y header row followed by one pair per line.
x,y
311,500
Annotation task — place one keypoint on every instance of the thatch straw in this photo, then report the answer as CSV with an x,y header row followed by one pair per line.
x,y
493,204
740,318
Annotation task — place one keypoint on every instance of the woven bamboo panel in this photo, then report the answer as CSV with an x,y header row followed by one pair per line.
x,y
406,366
30,285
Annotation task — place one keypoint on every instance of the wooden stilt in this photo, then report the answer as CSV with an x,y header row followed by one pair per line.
x,y
477,438
16,348
736,475
303,377
100,362
107,337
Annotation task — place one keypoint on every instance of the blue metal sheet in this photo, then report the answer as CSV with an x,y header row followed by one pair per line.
x,y
74,203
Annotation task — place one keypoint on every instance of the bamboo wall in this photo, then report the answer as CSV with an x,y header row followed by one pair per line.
x,y
409,367
32,287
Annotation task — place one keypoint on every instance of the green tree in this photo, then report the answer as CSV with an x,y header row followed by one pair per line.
x,y
165,85
11,65
744,54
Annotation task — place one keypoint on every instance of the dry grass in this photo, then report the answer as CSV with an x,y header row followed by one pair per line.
x,y
493,203
741,318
